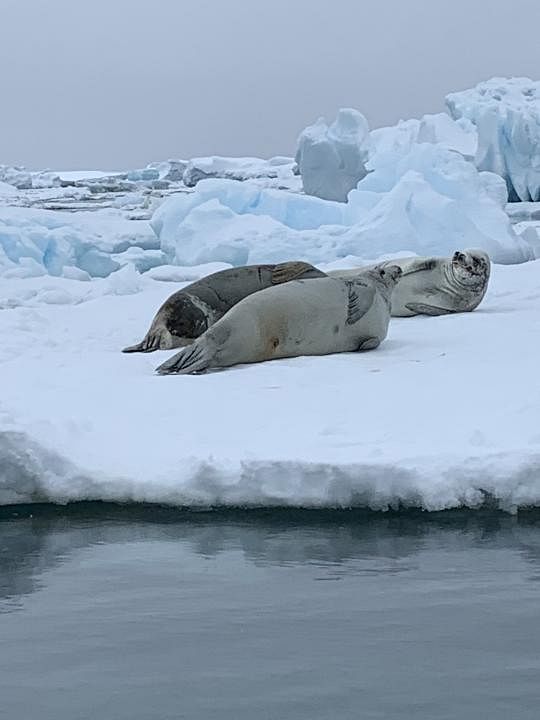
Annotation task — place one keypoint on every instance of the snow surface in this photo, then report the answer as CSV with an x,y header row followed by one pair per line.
x,y
75,175
444,413
506,112
429,201
331,160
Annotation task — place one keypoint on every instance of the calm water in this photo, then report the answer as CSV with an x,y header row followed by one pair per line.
x,y
143,614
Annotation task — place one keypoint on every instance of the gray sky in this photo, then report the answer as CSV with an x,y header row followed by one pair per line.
x,y
113,84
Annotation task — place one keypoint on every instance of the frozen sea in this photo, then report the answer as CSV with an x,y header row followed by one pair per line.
x,y
145,612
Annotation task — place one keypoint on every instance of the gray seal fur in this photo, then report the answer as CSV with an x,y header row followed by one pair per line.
x,y
188,313
436,285
303,317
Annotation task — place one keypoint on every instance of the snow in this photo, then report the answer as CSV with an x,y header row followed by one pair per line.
x,y
444,413
429,201
331,160
506,112
76,175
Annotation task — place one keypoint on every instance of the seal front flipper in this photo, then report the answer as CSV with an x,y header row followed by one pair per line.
x,y
358,305
423,309
192,359
369,343
420,265
287,271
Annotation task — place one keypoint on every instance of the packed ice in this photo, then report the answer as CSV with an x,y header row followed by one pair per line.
x,y
506,113
388,143
244,168
427,201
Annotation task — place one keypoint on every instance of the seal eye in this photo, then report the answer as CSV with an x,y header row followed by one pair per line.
x,y
383,272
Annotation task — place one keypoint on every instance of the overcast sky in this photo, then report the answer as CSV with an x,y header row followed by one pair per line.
x,y
114,84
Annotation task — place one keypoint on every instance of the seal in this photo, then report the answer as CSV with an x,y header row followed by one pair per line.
x,y
435,285
304,317
188,313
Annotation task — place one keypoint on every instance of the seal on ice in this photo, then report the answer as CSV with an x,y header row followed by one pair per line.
x,y
191,311
436,285
303,317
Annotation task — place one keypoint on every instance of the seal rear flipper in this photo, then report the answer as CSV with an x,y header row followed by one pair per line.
x,y
134,348
423,309
192,359
160,339
149,344
358,305
287,271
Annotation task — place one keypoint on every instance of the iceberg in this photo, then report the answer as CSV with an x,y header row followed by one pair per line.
x,y
506,113
241,168
387,144
7,190
47,242
431,201
170,170
23,179
331,160
16,176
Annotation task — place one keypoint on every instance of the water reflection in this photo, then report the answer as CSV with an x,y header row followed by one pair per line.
x,y
35,539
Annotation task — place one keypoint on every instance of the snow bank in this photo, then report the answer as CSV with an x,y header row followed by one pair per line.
x,y
506,113
428,201
331,160
240,168
433,418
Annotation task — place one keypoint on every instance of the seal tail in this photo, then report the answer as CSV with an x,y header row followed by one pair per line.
x,y
192,359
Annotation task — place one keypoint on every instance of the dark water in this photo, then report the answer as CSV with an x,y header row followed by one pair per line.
x,y
146,614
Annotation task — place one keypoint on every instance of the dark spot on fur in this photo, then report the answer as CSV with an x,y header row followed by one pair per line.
x,y
275,342
183,318
336,329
